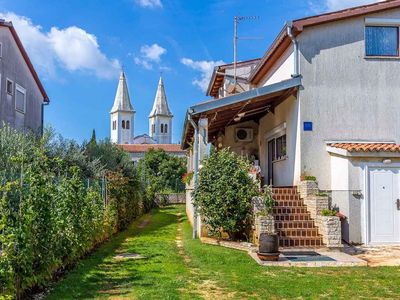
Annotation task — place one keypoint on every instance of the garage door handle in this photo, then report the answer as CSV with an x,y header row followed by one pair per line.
x,y
398,204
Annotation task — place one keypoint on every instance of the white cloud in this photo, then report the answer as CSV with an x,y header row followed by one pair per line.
x,y
149,3
144,63
332,5
152,52
149,55
205,68
71,48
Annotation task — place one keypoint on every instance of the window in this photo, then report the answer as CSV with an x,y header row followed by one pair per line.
x,y
277,148
153,128
123,124
166,128
114,125
20,99
281,147
382,41
9,87
162,128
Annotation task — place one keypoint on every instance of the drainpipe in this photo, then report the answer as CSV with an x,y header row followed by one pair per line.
x,y
195,167
42,118
295,49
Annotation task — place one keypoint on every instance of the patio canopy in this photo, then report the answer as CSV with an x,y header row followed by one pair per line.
x,y
250,105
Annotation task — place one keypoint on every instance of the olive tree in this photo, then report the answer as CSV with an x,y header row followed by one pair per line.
x,y
224,192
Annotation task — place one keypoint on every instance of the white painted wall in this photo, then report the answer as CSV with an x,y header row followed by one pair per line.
x,y
120,135
346,96
161,138
246,149
285,171
282,70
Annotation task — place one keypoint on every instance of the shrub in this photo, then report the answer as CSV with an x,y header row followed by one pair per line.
x,y
268,200
53,208
224,193
160,171
329,213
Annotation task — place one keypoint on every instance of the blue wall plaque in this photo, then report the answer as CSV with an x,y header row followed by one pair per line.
x,y
307,126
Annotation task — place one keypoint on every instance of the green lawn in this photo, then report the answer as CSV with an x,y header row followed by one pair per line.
x,y
188,269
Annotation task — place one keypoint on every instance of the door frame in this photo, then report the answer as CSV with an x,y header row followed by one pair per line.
x,y
270,135
366,207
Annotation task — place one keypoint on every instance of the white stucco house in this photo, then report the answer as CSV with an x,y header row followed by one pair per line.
x,y
323,101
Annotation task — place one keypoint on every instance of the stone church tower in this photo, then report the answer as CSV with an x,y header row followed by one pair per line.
x,y
160,118
122,115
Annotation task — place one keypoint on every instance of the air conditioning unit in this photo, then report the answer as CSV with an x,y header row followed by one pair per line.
x,y
244,134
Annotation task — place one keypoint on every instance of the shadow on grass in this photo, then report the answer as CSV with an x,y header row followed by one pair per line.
x,y
100,275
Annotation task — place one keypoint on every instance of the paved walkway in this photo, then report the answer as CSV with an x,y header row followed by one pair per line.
x,y
377,256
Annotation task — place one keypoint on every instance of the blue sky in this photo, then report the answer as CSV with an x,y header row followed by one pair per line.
x,y
78,48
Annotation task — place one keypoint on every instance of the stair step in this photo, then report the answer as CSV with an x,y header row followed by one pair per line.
x,y
300,242
286,191
294,224
289,210
289,203
287,197
293,217
309,232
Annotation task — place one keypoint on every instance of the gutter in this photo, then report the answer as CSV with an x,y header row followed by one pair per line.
x,y
289,28
195,167
44,103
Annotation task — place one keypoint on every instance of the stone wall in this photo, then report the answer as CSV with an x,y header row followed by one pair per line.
x,y
263,224
328,227
316,204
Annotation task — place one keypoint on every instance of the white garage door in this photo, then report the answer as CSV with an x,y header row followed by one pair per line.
x,y
384,213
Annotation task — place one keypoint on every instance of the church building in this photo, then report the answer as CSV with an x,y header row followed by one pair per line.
x,y
122,117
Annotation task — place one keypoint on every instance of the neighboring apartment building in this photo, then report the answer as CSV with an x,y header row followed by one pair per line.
x,y
22,95
324,102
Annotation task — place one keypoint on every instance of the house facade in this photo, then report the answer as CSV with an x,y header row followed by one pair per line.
x,y
323,102
22,96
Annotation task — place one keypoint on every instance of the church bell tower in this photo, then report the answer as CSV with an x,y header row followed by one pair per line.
x,y
160,118
122,115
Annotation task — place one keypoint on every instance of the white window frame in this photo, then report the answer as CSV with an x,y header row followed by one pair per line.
x,y
381,22
23,91
12,84
274,134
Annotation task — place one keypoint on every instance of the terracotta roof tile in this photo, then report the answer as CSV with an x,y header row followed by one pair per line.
x,y
137,148
367,147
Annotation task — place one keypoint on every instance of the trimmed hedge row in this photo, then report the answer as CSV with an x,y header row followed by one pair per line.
x,y
51,214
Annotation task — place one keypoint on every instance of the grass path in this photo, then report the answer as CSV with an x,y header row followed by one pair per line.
x,y
177,267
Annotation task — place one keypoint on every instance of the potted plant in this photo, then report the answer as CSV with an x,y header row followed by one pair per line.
x,y
268,239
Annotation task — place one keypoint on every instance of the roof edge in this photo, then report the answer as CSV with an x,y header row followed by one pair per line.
x,y
31,68
300,24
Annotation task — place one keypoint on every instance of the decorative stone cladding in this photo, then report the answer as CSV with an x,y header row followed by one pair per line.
x,y
263,224
331,231
329,227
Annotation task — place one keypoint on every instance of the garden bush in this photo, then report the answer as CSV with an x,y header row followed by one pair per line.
x,y
58,200
224,193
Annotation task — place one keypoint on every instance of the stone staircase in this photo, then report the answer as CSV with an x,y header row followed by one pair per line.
x,y
293,222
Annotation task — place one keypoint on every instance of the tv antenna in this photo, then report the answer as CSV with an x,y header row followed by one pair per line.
x,y
236,21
